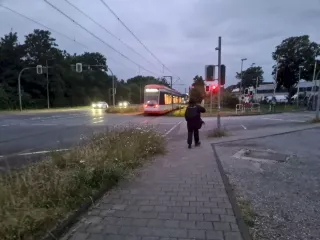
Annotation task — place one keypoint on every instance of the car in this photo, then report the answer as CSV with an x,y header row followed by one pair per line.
x,y
100,105
124,104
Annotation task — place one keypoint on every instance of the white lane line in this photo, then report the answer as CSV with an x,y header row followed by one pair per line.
x,y
171,129
274,119
5,125
98,122
44,124
42,152
244,127
286,120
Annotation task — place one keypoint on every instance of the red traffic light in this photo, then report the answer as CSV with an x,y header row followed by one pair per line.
x,y
214,87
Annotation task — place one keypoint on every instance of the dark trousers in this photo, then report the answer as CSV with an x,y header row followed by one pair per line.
x,y
193,132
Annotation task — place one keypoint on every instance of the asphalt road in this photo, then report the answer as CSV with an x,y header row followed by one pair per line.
x,y
23,137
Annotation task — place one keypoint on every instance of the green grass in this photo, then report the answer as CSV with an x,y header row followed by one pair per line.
x,y
129,109
315,120
217,133
33,199
247,213
264,109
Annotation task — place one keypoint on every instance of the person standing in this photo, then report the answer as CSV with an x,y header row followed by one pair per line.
x,y
194,121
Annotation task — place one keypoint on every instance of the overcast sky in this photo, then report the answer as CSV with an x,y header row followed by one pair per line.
x,y
183,34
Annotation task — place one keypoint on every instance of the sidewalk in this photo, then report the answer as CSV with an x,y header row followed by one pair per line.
x,y
177,196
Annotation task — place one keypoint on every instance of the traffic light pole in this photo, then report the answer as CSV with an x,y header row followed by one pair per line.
x,y
219,82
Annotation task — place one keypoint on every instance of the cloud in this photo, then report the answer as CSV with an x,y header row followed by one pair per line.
x,y
182,34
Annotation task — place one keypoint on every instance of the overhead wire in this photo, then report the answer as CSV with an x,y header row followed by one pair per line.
x,y
107,31
128,29
59,33
95,36
44,26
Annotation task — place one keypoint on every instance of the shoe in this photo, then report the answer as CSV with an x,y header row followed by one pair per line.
x,y
189,146
198,144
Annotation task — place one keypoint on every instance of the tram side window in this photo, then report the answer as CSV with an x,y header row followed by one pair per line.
x,y
162,98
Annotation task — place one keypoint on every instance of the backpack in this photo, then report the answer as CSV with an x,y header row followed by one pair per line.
x,y
191,112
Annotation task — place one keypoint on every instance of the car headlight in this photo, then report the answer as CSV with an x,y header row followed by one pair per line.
x,y
120,104
93,105
125,104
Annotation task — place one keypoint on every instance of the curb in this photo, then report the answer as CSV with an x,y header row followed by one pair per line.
x,y
244,230
266,135
60,229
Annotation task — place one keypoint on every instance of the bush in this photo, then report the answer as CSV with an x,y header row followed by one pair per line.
x,y
33,199
229,101
129,109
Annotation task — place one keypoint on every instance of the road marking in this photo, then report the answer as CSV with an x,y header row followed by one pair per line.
x,y
287,120
98,122
243,127
5,125
171,129
43,124
42,152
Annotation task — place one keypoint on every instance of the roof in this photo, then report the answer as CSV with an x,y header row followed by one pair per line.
x,y
158,86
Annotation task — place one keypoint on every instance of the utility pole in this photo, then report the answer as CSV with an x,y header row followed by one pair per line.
x,y
171,95
219,81
171,88
48,97
298,86
314,84
257,81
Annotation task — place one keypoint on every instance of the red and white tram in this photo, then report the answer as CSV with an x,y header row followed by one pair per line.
x,y
158,99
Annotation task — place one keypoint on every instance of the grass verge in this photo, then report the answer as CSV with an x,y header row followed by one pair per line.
x,y
130,109
226,112
217,133
315,120
35,198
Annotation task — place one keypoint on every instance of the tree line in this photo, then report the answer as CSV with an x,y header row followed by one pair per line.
x,y
67,88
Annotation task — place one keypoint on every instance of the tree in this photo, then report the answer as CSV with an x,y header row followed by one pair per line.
x,y
198,93
250,75
292,53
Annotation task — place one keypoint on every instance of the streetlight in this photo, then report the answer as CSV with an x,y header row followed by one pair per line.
x,y
242,60
47,68
300,67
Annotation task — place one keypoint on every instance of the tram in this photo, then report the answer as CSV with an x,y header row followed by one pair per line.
x,y
159,99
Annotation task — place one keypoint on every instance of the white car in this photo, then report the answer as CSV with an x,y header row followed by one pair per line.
x,y
100,105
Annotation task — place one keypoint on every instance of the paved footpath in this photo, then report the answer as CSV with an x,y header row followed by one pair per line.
x,y
178,196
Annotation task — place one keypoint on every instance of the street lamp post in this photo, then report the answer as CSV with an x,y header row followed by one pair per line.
x,y
48,94
242,60
318,102
300,67
19,86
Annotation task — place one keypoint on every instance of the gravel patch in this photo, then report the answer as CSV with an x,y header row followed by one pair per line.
x,y
285,196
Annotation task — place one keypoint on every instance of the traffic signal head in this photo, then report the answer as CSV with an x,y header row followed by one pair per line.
x,y
207,88
79,67
223,75
209,72
39,69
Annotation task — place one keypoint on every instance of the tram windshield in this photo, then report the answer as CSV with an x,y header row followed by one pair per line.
x,y
151,97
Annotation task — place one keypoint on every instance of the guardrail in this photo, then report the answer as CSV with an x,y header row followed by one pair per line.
x,y
239,108
253,107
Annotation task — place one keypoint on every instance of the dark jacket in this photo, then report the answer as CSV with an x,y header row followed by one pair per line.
x,y
196,121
